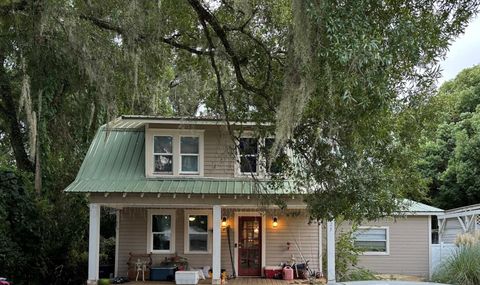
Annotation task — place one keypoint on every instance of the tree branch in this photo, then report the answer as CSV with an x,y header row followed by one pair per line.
x,y
218,77
206,16
119,30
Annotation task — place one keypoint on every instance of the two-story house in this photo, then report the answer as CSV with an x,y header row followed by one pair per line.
x,y
180,186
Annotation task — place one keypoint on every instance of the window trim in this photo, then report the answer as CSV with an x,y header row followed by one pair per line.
x,y
150,133
151,213
186,241
387,240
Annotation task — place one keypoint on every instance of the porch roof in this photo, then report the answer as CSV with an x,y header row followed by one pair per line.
x,y
115,162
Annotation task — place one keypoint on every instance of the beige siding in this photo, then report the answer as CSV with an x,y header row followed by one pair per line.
x,y
294,230
409,247
408,241
133,238
219,153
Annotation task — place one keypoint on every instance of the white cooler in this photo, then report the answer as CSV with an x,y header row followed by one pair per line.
x,y
186,277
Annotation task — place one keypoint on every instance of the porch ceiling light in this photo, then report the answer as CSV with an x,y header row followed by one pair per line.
x,y
224,221
275,222
191,218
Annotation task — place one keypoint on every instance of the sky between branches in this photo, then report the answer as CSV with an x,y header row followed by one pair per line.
x,y
464,52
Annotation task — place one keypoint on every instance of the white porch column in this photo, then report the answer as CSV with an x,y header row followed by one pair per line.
x,y
331,252
216,249
117,240
93,243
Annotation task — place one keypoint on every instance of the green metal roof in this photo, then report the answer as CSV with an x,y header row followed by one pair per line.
x,y
115,162
413,206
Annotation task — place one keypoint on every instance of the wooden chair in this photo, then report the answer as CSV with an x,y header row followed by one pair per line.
x,y
139,265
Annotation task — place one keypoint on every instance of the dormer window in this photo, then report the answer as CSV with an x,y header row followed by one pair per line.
x,y
173,152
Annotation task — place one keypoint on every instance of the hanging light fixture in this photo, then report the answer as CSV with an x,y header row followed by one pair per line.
x,y
275,222
191,218
224,221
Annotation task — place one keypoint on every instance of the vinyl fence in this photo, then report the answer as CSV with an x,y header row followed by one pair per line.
x,y
440,252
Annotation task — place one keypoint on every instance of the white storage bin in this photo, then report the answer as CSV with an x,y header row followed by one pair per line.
x,y
186,277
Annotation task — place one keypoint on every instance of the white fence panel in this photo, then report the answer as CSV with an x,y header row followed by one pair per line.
x,y
441,252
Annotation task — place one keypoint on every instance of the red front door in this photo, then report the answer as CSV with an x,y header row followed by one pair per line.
x,y
250,246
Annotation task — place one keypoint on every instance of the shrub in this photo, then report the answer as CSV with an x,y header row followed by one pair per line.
x,y
359,274
462,268
346,254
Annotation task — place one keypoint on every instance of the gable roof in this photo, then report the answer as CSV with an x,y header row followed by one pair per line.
x,y
115,162
417,207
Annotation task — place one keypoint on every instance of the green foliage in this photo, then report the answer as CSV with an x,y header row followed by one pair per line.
x,y
346,254
356,80
107,250
359,274
462,268
42,241
450,157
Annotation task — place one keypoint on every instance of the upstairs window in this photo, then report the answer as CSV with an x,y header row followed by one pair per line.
x,y
254,157
272,165
163,154
174,152
248,155
189,155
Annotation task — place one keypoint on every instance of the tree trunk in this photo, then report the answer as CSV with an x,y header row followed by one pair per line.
x,y
12,125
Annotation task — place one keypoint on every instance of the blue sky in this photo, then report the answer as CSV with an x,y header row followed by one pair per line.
x,y
464,52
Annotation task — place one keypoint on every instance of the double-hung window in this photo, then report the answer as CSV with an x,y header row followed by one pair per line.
x,y
189,154
197,236
174,153
163,154
254,156
372,240
161,231
248,155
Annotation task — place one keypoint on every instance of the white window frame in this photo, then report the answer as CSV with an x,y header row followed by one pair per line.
x,y
209,215
164,154
150,133
151,213
180,171
387,240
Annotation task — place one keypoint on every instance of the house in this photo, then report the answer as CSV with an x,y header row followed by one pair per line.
x,y
179,189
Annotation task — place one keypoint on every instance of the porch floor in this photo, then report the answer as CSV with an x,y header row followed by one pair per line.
x,y
236,281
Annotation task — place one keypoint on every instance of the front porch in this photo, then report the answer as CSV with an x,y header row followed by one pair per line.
x,y
224,249
237,281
